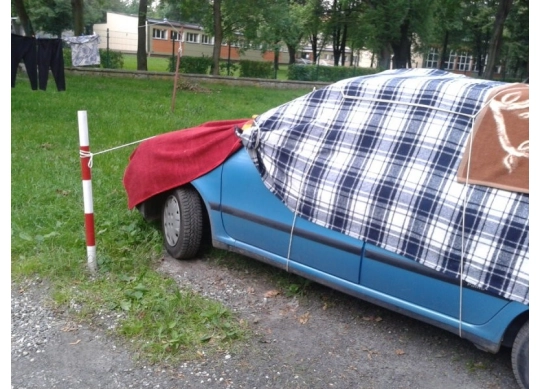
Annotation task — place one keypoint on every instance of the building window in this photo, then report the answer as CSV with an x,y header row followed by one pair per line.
x,y
175,36
431,60
159,34
463,62
191,37
207,40
450,64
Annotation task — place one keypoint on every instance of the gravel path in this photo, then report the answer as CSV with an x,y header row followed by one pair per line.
x,y
327,340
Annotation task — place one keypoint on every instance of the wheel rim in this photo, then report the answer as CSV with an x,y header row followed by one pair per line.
x,y
172,220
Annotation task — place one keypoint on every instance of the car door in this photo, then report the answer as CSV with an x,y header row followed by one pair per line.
x,y
251,214
327,251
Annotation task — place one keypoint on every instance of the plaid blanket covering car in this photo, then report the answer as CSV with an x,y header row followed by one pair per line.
x,y
377,157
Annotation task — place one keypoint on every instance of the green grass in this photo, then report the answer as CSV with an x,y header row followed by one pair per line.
x,y
154,64
47,216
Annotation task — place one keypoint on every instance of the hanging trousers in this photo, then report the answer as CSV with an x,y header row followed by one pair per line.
x,y
24,48
50,56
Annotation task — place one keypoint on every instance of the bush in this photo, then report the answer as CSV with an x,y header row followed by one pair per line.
x,y
326,73
224,69
67,56
110,59
191,65
255,69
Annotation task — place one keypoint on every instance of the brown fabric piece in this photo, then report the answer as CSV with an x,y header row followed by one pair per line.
x,y
499,156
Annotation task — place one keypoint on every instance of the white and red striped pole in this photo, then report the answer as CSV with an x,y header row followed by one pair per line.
x,y
84,151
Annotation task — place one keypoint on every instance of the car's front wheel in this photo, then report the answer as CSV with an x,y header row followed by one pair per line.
x,y
520,356
182,223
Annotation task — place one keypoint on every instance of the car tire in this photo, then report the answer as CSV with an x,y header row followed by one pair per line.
x,y
182,223
520,356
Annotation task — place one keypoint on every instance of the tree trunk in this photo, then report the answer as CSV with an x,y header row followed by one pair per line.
x,y
336,45
291,53
343,45
496,38
23,17
142,36
401,49
314,45
444,49
276,62
78,20
217,29
384,58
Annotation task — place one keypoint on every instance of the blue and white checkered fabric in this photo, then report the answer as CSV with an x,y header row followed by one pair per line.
x,y
376,158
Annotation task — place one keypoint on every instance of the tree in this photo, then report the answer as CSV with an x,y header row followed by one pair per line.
x,y
77,14
516,44
292,28
142,36
217,29
312,18
279,23
495,43
447,29
50,16
23,17
477,31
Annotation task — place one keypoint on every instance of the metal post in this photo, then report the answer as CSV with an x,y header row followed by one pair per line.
x,y
85,156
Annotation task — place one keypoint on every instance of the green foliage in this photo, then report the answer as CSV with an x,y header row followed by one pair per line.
x,y
50,16
190,65
228,69
326,73
110,59
256,69
47,215
67,56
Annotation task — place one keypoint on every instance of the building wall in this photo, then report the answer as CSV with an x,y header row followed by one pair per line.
x,y
122,34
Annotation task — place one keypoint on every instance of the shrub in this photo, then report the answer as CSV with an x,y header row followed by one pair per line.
x,y
67,56
326,73
255,69
110,59
191,65
224,68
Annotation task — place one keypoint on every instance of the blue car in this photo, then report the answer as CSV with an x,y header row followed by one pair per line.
x,y
407,188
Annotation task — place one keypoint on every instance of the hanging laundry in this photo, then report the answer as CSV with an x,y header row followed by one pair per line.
x,y
50,56
84,49
24,48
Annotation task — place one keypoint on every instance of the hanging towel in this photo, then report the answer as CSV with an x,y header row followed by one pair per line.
x,y
84,49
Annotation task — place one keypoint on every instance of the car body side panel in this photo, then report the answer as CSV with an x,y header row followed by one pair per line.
x,y
243,196
325,250
248,219
384,271
487,336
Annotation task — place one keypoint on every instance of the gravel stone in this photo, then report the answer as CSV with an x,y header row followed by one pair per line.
x,y
323,340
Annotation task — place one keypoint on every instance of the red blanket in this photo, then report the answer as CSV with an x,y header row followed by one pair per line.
x,y
176,158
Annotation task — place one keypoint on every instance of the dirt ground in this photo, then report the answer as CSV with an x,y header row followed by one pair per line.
x,y
324,339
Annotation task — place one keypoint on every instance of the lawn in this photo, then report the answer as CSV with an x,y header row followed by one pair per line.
x,y
47,215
